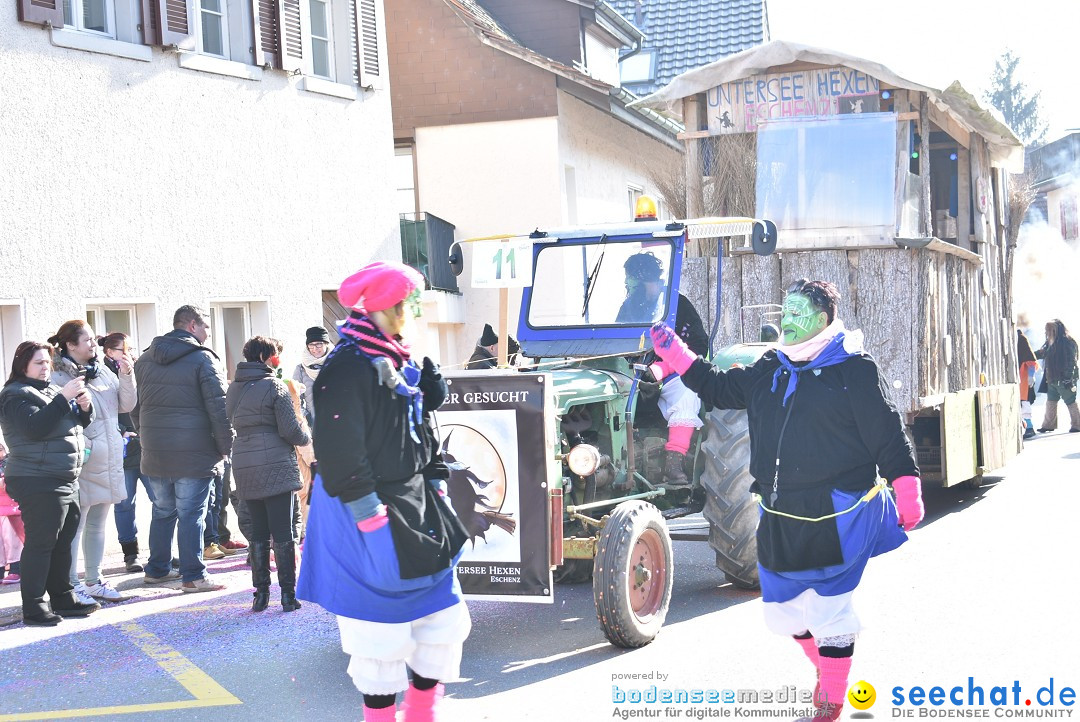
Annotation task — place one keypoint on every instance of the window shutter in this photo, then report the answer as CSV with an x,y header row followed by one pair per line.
x,y
267,38
41,12
150,33
367,44
175,27
291,39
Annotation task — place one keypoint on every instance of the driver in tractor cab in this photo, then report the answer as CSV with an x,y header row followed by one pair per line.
x,y
680,406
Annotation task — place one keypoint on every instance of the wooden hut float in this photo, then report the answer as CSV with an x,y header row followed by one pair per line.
x,y
894,191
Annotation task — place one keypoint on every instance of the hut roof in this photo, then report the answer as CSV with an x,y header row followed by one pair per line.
x,y
1006,150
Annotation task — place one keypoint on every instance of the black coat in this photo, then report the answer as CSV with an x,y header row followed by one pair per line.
x,y
267,433
842,431
363,444
361,429
44,436
689,327
481,359
181,413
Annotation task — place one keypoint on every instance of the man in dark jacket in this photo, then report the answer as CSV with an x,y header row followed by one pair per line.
x,y
185,434
483,356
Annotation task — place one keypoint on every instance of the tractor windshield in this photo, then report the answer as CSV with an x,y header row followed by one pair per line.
x,y
606,283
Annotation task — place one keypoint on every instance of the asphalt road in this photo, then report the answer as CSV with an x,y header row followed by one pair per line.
x,y
986,589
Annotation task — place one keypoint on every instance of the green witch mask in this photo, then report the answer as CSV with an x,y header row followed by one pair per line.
x,y
801,320
414,303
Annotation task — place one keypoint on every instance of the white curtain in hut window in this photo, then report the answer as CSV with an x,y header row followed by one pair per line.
x,y
832,172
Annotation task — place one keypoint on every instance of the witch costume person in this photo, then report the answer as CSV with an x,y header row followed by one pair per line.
x,y
382,543
822,430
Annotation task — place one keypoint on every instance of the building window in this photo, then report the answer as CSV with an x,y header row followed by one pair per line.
x,y
1069,222
11,331
633,192
322,44
106,319
90,16
638,68
232,323
213,28
404,180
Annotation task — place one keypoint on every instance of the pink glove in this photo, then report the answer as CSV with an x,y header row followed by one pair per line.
x,y
374,523
909,504
671,349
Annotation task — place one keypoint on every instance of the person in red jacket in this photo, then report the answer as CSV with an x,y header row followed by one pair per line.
x,y
822,429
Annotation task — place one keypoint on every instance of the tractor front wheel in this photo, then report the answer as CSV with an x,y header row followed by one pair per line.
x,y
633,574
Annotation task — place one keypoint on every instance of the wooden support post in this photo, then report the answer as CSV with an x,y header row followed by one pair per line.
x,y
977,172
963,198
504,312
925,211
695,193
903,161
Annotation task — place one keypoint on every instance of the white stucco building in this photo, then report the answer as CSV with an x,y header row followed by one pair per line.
x,y
143,172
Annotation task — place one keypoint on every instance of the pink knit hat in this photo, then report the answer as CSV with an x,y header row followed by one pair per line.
x,y
379,286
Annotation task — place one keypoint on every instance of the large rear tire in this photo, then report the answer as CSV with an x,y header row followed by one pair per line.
x,y
633,574
729,507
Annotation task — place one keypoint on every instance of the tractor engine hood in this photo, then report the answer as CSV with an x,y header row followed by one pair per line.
x,y
575,387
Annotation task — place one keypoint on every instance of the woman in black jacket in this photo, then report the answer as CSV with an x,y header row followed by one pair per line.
x,y
43,426
822,430
264,466
1060,374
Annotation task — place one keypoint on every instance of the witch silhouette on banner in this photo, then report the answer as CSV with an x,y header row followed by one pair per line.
x,y
477,501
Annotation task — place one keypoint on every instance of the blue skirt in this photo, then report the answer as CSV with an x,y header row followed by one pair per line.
x,y
356,574
866,532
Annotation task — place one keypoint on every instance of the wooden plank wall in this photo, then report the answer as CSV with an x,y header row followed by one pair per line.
x,y
905,301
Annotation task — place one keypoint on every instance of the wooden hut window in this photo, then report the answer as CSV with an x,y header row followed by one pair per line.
x,y
829,174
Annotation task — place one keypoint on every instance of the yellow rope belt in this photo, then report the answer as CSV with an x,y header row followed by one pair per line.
x,y
874,491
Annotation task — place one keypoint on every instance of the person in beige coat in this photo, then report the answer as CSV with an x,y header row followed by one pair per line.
x,y
305,454
101,481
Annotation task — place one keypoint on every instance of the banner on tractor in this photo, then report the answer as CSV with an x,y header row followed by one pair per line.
x,y
493,433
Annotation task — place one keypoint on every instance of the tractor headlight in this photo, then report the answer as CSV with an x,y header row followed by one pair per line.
x,y
583,459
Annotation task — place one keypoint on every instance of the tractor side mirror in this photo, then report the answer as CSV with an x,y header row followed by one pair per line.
x,y
763,238
457,263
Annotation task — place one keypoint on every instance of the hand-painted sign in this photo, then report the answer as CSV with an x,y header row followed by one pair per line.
x,y
740,106
492,435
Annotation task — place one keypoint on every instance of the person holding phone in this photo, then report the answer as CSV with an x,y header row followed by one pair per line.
x,y
43,424
117,349
101,482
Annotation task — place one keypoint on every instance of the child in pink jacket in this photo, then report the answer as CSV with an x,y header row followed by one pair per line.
x,y
12,535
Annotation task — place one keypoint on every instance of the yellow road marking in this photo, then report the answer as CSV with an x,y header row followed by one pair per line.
x,y
206,691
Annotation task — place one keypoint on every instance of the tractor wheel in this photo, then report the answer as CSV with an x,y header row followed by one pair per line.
x,y
633,574
729,507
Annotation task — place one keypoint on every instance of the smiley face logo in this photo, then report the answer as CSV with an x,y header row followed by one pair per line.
x,y
862,695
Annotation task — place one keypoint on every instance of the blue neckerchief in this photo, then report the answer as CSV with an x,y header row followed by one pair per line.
x,y
409,387
831,355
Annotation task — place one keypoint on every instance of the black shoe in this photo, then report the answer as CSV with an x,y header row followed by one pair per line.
x,y
78,609
42,619
261,600
286,574
1029,433
289,602
1045,431
1074,431
131,556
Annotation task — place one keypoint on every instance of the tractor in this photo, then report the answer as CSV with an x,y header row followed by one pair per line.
x,y
610,436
